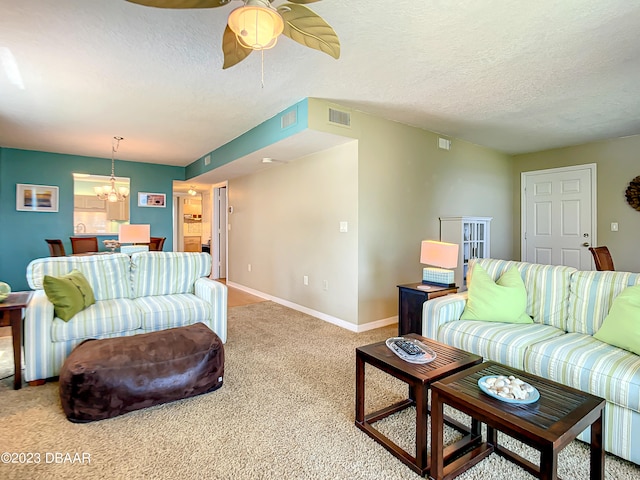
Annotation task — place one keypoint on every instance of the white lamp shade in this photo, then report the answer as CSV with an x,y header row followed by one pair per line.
x,y
439,254
134,234
256,27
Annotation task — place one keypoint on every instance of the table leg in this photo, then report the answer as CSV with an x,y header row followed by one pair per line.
x,y
548,464
437,437
421,426
16,331
359,389
596,450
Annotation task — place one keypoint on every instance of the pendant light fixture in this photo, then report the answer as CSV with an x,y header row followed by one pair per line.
x,y
110,192
192,191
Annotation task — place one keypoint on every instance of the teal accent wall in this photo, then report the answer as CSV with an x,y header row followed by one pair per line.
x,y
22,234
265,134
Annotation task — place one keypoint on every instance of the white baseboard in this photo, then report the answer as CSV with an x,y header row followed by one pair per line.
x,y
314,313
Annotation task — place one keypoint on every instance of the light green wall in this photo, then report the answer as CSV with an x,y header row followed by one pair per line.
x,y
617,164
285,223
391,184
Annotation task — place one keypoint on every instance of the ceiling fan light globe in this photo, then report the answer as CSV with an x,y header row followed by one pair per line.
x,y
256,27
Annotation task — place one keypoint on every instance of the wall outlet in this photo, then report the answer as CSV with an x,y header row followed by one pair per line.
x,y
305,280
344,227
248,267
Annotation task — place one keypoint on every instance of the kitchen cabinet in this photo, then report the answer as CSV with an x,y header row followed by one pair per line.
x,y
192,244
118,210
88,203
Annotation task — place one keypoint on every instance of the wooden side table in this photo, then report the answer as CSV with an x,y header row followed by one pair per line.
x,y
11,315
410,300
419,377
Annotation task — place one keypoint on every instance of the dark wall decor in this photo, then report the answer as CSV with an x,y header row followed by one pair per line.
x,y
633,193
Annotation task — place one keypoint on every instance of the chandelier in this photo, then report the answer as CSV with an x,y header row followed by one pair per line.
x,y
110,192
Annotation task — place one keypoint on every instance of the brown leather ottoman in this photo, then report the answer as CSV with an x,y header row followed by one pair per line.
x,y
110,377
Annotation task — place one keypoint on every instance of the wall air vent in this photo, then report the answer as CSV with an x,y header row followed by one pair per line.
x,y
337,117
289,118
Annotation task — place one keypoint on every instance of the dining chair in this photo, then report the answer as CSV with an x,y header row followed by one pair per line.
x,y
56,248
84,244
156,243
602,258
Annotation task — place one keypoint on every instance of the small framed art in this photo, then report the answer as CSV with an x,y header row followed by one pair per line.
x,y
36,198
152,199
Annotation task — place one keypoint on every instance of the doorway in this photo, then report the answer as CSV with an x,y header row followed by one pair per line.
x,y
559,216
219,232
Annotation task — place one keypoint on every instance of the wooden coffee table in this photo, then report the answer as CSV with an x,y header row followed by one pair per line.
x,y
11,315
548,425
449,360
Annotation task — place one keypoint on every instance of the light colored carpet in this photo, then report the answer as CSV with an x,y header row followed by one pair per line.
x,y
285,411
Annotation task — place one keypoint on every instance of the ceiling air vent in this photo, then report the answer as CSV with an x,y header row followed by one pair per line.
x,y
337,117
289,118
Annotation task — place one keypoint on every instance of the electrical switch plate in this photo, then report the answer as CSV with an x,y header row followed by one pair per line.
x,y
305,280
344,227
248,267
325,284
614,226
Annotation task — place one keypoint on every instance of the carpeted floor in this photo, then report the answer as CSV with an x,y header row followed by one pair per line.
x,y
285,411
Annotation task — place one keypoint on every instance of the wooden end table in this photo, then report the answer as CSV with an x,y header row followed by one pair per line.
x,y
548,425
419,377
11,315
411,297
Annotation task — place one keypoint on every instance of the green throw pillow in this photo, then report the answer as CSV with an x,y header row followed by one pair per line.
x,y
502,301
69,294
621,327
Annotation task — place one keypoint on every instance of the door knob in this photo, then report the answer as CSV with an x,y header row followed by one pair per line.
x,y
585,244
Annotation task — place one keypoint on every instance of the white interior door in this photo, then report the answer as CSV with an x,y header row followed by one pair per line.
x,y
559,216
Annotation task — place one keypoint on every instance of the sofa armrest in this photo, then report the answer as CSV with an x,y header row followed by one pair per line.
x,y
441,310
214,293
38,318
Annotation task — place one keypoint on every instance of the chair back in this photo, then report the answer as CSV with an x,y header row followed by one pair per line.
x,y
602,258
156,243
56,248
84,244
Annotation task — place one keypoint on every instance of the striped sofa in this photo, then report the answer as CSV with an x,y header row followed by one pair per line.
x,y
567,306
141,293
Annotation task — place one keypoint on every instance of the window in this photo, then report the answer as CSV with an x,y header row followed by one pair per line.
x,y
92,215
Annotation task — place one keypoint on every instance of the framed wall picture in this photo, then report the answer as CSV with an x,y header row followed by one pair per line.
x,y
152,199
36,198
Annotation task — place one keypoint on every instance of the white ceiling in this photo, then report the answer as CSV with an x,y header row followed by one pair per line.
x,y
513,75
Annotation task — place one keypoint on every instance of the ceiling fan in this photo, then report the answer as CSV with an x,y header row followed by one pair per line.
x,y
257,24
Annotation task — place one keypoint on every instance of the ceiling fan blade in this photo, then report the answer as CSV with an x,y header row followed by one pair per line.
x,y
309,29
181,3
233,51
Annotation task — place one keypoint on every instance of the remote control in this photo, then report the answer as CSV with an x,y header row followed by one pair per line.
x,y
409,348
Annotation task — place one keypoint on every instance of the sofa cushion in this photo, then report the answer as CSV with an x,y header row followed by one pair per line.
x,y
504,300
167,273
106,317
501,342
547,288
621,327
583,362
591,297
70,294
108,274
167,311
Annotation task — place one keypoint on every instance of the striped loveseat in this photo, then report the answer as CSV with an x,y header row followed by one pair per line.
x,y
567,306
141,293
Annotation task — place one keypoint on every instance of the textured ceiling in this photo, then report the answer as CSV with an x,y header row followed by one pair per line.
x,y
513,75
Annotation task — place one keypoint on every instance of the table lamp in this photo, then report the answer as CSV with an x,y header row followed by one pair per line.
x,y
441,256
134,234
